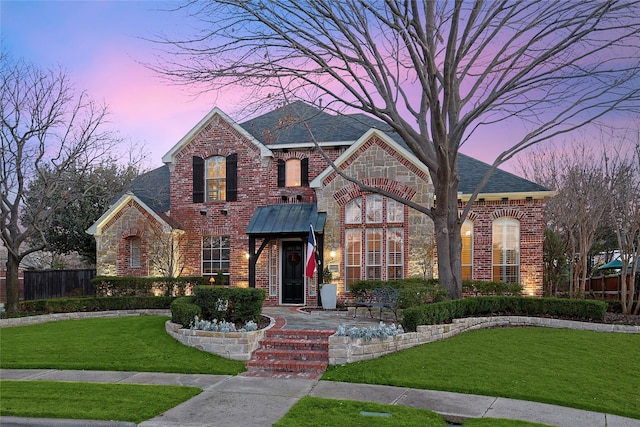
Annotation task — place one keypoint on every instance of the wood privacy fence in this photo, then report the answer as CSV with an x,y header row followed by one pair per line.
x,y
42,284
607,287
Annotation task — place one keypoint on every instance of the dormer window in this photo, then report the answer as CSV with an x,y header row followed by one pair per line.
x,y
293,172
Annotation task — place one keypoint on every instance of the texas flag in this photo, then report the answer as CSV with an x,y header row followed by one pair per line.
x,y
310,269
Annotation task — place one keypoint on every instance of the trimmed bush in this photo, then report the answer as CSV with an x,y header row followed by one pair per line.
x,y
446,311
184,311
70,305
145,286
485,288
229,304
411,291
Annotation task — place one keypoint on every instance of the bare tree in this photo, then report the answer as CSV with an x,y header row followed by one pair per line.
x,y
432,71
46,130
167,255
624,177
577,172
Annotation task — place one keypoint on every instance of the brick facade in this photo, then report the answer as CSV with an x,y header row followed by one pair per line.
x,y
375,160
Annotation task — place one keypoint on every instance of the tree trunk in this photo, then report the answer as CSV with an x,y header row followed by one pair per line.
x,y
448,242
13,287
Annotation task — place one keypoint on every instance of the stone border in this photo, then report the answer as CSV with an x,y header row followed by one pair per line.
x,y
44,318
343,350
232,345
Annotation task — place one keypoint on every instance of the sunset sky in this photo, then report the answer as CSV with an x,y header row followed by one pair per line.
x,y
101,45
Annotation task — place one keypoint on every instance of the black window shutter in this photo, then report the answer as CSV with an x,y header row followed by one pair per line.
x,y
281,171
304,172
198,179
232,177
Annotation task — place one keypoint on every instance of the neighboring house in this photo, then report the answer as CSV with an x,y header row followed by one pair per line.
x,y
240,198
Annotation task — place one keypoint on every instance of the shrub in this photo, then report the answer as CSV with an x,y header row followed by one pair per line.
x,y
70,305
444,312
215,326
411,292
485,288
145,286
381,331
184,311
229,304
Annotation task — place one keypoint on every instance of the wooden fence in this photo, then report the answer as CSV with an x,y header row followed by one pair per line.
x,y
607,287
42,284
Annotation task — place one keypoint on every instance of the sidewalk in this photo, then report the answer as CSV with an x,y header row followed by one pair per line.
x,y
257,402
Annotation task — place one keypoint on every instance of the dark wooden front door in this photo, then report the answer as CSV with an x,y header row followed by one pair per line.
x,y
292,273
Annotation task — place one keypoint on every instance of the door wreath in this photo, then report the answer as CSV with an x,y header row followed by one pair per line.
x,y
293,258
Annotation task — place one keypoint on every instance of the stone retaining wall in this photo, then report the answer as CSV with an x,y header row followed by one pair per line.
x,y
32,320
343,350
232,345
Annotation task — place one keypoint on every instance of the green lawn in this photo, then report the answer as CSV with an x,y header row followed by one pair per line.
x,y
318,412
580,369
90,401
138,343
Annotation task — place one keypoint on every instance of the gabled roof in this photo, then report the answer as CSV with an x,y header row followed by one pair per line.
x,y
153,188
168,158
96,227
290,126
317,181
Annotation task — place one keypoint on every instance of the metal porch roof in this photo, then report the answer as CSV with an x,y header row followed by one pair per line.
x,y
286,219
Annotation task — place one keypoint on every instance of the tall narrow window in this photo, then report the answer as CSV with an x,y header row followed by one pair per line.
x,y
374,254
395,211
353,255
395,253
216,178
466,233
374,208
273,269
216,252
135,252
506,250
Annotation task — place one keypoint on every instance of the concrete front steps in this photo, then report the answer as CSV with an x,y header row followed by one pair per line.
x,y
291,354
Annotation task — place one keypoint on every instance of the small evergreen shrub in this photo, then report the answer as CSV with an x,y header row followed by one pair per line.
x,y
230,304
183,310
446,311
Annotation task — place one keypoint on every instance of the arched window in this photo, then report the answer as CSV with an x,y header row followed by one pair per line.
x,y
216,178
506,250
135,252
466,233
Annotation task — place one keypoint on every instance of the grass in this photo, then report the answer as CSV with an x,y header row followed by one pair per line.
x,y
319,412
580,369
138,343
91,401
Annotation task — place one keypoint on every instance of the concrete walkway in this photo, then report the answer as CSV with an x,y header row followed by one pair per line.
x,y
254,401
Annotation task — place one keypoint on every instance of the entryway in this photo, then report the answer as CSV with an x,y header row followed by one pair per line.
x,y
292,273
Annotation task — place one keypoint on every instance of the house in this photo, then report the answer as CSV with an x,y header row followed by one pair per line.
x,y
240,198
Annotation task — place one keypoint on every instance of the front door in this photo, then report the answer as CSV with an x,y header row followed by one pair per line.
x,y
292,273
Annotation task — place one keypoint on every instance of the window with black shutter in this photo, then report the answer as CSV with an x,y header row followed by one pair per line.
x,y
198,179
232,177
304,172
281,173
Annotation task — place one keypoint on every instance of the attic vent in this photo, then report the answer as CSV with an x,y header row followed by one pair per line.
x,y
208,128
